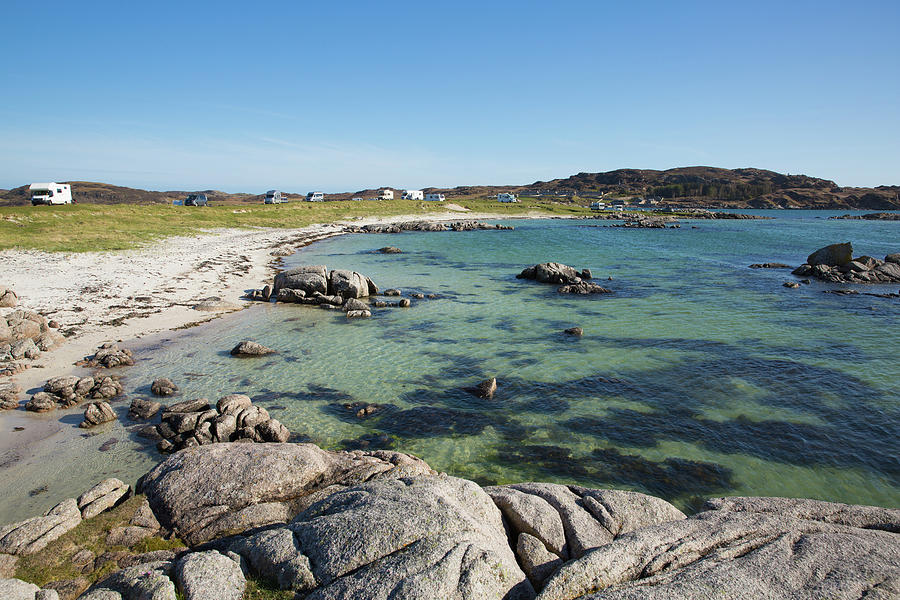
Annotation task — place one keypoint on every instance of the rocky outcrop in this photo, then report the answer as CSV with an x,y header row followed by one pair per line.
x,y
25,334
771,265
781,550
9,395
195,423
583,288
109,356
210,576
317,286
205,492
142,409
97,413
33,535
836,264
390,250
103,496
248,348
645,222
163,386
554,273
71,390
880,216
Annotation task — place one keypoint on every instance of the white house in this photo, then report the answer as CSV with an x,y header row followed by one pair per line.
x,y
435,197
413,195
506,197
386,195
50,193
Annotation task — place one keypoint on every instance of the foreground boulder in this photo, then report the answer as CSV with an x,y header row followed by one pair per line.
x,y
835,255
782,550
69,391
552,273
828,264
204,492
97,413
33,535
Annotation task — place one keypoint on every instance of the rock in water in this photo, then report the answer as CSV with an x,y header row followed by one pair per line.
x,y
576,331
247,348
486,388
163,387
835,255
97,413
310,279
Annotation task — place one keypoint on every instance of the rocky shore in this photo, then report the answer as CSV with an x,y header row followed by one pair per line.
x,y
836,264
880,216
335,525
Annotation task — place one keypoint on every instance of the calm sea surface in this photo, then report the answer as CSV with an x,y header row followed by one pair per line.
x,y
697,377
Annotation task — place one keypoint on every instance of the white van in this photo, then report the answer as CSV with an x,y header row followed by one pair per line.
x,y
315,197
50,193
435,197
413,195
507,198
386,195
597,205
274,197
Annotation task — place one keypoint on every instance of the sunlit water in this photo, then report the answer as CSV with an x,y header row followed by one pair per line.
x,y
697,377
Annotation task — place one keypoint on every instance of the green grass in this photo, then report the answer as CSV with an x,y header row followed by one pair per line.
x,y
89,227
259,589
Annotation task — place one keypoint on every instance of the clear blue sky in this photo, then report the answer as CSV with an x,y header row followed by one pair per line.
x,y
348,95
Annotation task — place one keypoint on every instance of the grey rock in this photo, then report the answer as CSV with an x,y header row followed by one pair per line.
x,y
8,565
347,284
209,576
373,289
893,258
537,562
392,292
198,405
275,555
8,298
147,557
46,595
33,535
248,348
790,284
576,331
42,402
251,416
358,314
289,296
24,349
531,514
16,589
355,304
550,273
835,255
9,396
425,537
310,279
97,413
105,495
729,554
273,431
141,409
83,558
404,303
224,427
390,250
583,288
890,269
163,386
233,403
109,355
127,536
148,581
854,515
101,594
203,492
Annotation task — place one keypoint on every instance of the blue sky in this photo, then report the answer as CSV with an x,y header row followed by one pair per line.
x,y
350,95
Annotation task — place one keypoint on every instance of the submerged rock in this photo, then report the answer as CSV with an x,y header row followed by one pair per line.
x,y
248,348
163,386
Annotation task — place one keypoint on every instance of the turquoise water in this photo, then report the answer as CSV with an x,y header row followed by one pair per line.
x,y
697,377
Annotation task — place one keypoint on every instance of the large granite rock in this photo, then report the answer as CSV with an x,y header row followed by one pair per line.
x,y
105,495
425,537
33,535
249,348
204,492
835,255
347,284
309,279
550,272
148,581
737,552
209,576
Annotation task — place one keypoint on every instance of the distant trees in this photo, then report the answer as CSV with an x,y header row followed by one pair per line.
x,y
713,191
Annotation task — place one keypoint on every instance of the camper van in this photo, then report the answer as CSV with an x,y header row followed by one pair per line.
x,y
195,200
274,197
507,198
413,195
50,193
435,197
386,195
315,197
597,205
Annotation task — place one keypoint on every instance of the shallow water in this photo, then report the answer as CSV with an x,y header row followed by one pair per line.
x,y
697,377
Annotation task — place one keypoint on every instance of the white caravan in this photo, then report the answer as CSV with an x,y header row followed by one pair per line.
x,y
435,197
413,195
315,197
386,195
274,197
50,193
507,198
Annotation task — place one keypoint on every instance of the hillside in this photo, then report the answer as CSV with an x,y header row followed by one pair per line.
x,y
687,186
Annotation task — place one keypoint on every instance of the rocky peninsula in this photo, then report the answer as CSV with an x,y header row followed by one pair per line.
x,y
291,515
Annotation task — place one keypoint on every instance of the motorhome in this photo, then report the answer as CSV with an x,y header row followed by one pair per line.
x,y
50,193
196,200
597,205
315,197
386,195
505,197
274,197
413,195
435,197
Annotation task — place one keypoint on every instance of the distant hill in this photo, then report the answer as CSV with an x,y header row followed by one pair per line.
x,y
687,186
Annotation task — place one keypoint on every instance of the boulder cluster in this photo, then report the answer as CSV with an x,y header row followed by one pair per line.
x,y
574,282
71,390
645,222
374,525
25,334
836,264
426,226
195,423
109,356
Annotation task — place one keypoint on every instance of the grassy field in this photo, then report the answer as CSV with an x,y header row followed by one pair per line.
x,y
88,227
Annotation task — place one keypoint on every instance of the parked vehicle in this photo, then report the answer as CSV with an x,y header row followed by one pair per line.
x,y
597,205
507,198
357,199
435,197
196,200
386,195
50,193
275,197
315,197
413,195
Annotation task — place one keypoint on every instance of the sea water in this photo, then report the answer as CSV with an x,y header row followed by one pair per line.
x,y
696,377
